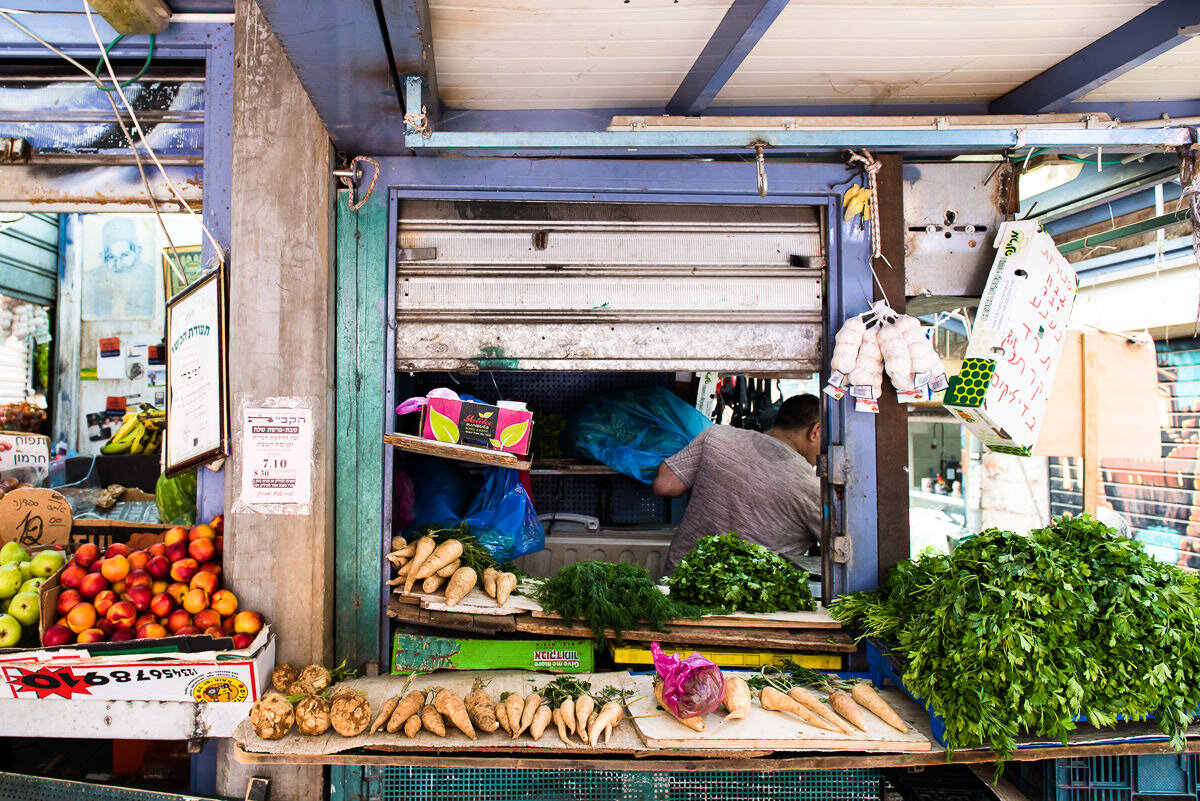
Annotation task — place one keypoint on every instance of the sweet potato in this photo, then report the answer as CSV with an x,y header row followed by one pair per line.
x,y
431,720
412,726
480,708
410,705
450,705
389,706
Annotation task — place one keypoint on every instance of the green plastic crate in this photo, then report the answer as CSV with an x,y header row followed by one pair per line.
x,y
479,784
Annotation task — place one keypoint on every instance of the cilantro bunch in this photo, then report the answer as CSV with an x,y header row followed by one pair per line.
x,y
725,574
1018,633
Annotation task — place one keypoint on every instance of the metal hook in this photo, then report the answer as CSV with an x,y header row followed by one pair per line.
x,y
760,165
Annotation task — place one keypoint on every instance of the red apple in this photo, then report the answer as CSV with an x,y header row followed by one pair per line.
x,y
161,605
138,578
104,601
67,599
92,585
178,619
241,641
224,602
158,567
117,549
177,590
82,616
106,625
184,569
72,575
58,634
202,532
86,554
157,549
186,631
202,550
248,622
115,567
174,535
122,634
207,619
91,635
139,597
151,631
218,524
195,601
177,551
138,560
204,580
215,631
122,613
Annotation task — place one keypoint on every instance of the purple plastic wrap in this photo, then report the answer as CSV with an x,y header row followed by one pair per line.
x,y
692,686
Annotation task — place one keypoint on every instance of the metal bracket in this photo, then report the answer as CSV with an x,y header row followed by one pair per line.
x,y
416,254
838,469
15,151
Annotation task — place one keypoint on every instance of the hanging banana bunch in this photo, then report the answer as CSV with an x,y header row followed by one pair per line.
x,y
140,432
856,201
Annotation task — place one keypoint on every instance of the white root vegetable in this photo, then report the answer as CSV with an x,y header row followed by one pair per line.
x,y
448,570
447,552
541,719
583,709
490,575
806,699
609,715
532,702
693,723
568,712
424,548
399,543
461,583
561,724
867,698
737,698
505,584
515,707
431,584
502,717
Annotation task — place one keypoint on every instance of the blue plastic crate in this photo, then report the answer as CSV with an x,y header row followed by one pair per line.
x,y
1108,778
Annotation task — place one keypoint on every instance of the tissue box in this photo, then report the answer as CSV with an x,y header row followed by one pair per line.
x,y
481,425
1017,338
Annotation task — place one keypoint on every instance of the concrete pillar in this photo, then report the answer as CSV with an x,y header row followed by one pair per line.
x,y
280,323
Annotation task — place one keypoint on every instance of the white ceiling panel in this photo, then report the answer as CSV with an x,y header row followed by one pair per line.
x,y
1175,75
859,51
513,54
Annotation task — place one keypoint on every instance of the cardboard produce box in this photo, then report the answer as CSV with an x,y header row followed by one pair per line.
x,y
427,652
1016,341
479,425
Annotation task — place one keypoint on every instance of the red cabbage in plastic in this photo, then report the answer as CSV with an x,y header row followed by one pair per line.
x,y
692,686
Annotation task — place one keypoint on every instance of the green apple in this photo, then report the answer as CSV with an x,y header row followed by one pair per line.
x,y
33,585
10,631
24,608
10,580
13,552
46,563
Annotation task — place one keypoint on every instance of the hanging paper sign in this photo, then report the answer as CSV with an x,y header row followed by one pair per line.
x,y
277,456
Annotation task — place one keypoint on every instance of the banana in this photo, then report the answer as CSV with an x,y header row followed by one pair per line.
x,y
127,423
142,443
125,443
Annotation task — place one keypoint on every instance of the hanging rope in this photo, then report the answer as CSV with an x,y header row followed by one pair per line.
x,y
1189,179
419,123
349,181
871,167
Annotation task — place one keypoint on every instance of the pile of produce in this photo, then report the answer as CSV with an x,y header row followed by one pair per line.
x,y
609,596
725,574
140,431
10,484
172,587
458,563
21,578
308,698
1013,633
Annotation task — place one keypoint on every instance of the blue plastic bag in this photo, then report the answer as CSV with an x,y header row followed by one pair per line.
x,y
634,430
439,494
502,518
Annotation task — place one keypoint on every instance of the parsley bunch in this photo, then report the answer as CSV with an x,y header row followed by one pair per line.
x,y
1013,633
725,574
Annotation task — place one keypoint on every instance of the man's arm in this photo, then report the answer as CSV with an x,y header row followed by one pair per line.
x,y
667,484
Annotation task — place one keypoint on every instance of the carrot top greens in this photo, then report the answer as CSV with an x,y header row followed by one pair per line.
x,y
1013,633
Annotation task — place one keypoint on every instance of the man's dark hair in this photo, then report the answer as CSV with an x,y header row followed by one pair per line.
x,y
798,412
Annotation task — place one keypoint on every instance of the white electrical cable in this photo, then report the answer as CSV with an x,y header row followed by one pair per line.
x,y
120,123
141,135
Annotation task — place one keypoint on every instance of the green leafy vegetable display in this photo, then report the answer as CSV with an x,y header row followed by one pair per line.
x,y
790,674
726,574
1013,633
608,596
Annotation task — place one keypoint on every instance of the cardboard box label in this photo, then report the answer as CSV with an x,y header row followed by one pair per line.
x,y
231,682
421,652
1016,340
478,424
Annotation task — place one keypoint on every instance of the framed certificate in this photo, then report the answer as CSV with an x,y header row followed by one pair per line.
x,y
197,380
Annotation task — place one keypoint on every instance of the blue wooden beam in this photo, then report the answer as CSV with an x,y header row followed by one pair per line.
x,y
408,35
1149,34
743,25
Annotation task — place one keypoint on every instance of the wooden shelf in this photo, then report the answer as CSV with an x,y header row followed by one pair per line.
x,y
459,453
570,467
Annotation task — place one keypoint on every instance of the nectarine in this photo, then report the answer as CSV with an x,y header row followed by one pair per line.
x,y
82,616
178,619
162,605
92,585
115,567
177,590
138,578
204,581
174,535
117,549
90,635
122,613
67,599
139,597
86,554
58,634
138,560
224,602
195,601
104,601
72,575
202,550
207,619
151,631
202,532
184,569
248,622
158,566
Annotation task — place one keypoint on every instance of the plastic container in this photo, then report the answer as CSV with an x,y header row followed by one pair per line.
x,y
1109,778
628,655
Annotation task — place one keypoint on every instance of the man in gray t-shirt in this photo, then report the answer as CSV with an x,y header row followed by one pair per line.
x,y
761,486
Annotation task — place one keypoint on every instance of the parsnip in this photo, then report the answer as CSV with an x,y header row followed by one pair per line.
x,y
461,583
489,581
430,585
737,698
568,712
448,570
541,719
389,706
694,723
610,713
447,552
532,702
425,547
583,709
505,584
866,696
814,705
515,706
502,717
561,724
844,705
775,701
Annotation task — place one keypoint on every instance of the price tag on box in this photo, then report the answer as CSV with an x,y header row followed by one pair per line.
x,y
1000,393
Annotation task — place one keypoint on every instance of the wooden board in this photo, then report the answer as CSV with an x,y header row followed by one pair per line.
x,y
820,641
476,602
819,619
625,739
455,621
763,730
460,453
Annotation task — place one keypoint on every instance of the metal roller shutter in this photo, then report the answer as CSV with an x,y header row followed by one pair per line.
x,y
1160,499
575,286
29,258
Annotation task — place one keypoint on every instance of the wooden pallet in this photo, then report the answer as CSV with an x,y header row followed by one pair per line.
x,y
449,450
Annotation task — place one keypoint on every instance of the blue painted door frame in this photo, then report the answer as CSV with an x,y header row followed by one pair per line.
x,y
851,509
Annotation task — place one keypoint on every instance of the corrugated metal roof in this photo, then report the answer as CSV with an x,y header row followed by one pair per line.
x,y
864,51
1175,75
512,54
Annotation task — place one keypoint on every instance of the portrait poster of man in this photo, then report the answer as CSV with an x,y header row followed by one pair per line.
x,y
119,271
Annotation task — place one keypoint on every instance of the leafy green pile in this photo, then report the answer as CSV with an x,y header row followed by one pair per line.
x,y
1031,632
789,675
726,574
608,596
